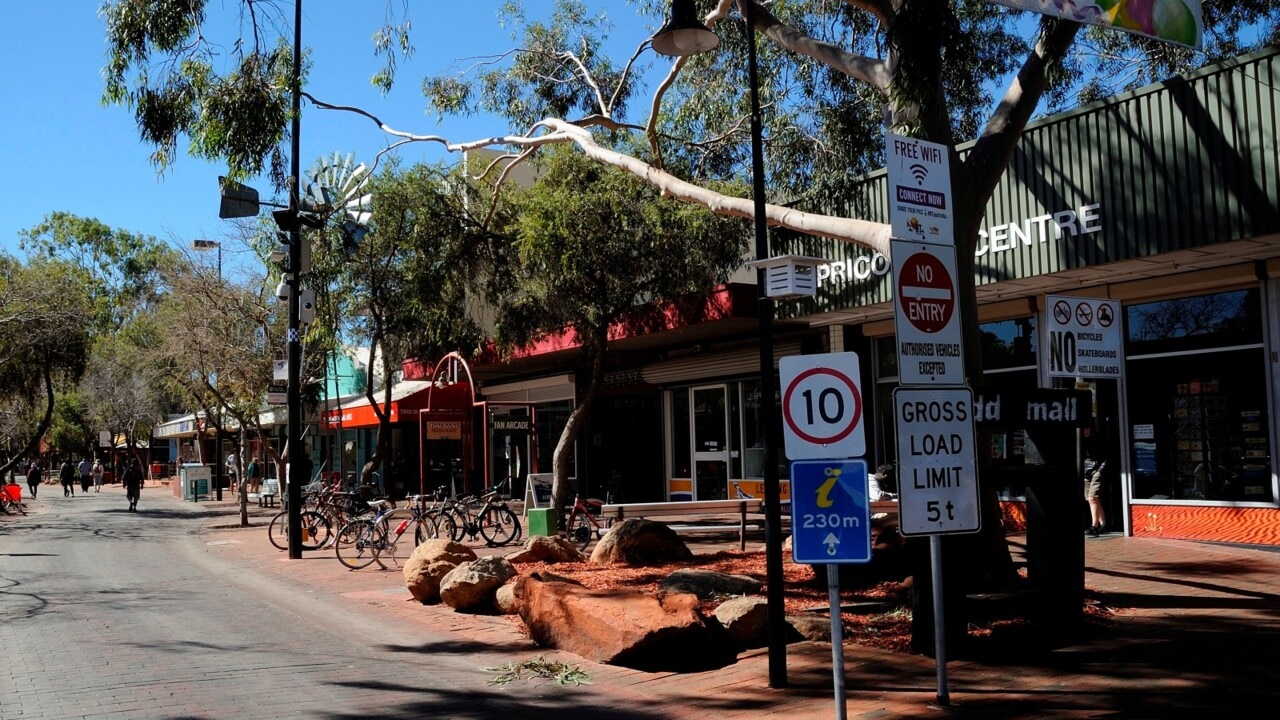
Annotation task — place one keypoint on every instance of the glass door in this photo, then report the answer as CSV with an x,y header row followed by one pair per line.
x,y
710,442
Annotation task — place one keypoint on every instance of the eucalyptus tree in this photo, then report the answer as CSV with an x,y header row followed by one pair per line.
x,y
122,391
217,351
402,289
46,318
590,247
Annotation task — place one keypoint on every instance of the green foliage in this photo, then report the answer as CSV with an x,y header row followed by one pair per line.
x,y
45,323
71,434
591,244
121,270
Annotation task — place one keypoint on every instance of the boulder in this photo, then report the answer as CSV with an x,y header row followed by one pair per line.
x,y
547,549
636,541
430,562
811,627
643,631
504,600
708,584
746,620
471,586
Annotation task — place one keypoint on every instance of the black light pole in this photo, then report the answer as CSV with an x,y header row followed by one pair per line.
x,y
684,35
294,395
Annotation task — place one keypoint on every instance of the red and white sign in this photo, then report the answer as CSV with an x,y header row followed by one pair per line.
x,y
822,406
928,324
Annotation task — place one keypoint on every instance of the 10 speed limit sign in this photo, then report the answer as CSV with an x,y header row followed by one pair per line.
x,y
822,406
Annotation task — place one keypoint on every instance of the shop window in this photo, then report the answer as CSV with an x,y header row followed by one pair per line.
x,y
1199,420
1008,344
681,452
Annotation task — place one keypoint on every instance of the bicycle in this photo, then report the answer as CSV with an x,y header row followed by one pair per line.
x,y
586,521
317,531
375,539
488,517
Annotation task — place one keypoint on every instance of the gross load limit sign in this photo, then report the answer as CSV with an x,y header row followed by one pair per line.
x,y
937,470
925,314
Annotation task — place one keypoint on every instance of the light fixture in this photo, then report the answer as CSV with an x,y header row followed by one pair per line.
x,y
684,34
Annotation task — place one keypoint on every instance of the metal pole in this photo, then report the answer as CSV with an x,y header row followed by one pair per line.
x,y
837,639
294,397
939,624
768,408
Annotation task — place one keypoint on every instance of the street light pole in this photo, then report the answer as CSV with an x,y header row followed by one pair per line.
x,y
294,395
685,35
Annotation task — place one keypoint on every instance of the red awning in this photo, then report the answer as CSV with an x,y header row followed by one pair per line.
x,y
408,399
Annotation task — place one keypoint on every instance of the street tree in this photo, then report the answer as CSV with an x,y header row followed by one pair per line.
x,y
46,319
401,288
590,248
217,351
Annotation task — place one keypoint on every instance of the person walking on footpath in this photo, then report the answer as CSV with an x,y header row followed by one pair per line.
x,y
67,475
86,475
33,477
1094,466
97,476
132,481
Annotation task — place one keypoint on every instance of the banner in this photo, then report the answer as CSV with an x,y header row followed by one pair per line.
x,y
1175,21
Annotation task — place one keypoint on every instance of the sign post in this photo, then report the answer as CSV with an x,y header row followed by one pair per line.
x,y
831,525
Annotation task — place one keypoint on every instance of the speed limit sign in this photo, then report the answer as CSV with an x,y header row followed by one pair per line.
x,y
822,406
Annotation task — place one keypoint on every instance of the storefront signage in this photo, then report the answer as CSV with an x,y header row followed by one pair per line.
x,y
1175,21
937,466
1084,220
1082,337
926,315
444,430
511,424
1036,407
822,406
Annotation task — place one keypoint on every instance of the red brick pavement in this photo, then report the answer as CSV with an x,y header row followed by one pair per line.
x,y
1196,635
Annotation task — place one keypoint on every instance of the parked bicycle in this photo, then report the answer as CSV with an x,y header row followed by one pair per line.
x,y
586,521
366,540
487,517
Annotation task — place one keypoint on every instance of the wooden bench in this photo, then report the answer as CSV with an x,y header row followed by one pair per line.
x,y
622,511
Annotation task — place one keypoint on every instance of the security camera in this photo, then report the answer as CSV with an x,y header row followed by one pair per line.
x,y
282,290
307,307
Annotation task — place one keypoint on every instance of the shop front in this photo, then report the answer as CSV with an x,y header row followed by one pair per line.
x,y
1162,203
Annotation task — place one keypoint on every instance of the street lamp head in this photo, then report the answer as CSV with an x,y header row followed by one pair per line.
x,y
684,34
205,245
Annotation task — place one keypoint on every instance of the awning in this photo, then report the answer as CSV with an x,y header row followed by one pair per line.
x,y
185,426
407,398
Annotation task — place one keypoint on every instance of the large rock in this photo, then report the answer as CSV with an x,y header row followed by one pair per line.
x,y
547,549
746,620
636,541
504,600
654,633
709,584
430,562
471,586
810,627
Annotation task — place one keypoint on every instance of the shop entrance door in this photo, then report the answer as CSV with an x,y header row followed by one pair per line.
x,y
1107,441
710,442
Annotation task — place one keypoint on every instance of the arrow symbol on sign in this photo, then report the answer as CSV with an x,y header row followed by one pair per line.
x,y
831,542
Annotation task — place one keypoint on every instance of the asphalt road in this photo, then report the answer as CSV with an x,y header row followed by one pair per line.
x,y
110,614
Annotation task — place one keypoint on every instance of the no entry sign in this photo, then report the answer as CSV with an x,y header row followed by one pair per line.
x,y
822,406
927,319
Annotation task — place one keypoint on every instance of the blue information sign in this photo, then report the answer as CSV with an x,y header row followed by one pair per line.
x,y
830,514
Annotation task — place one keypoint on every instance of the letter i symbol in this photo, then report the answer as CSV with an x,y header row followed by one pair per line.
x,y
824,491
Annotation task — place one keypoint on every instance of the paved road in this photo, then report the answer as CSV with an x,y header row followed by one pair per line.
x,y
110,614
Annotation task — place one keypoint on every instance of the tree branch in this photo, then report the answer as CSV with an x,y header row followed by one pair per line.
x,y
872,71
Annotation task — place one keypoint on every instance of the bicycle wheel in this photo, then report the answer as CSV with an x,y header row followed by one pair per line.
x,y
356,545
435,525
316,530
393,526
579,529
498,525
278,530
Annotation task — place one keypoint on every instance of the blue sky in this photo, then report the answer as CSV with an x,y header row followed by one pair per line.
x,y
62,150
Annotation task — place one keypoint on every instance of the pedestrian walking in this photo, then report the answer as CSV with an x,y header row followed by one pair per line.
x,y
33,477
86,475
132,481
97,476
67,475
